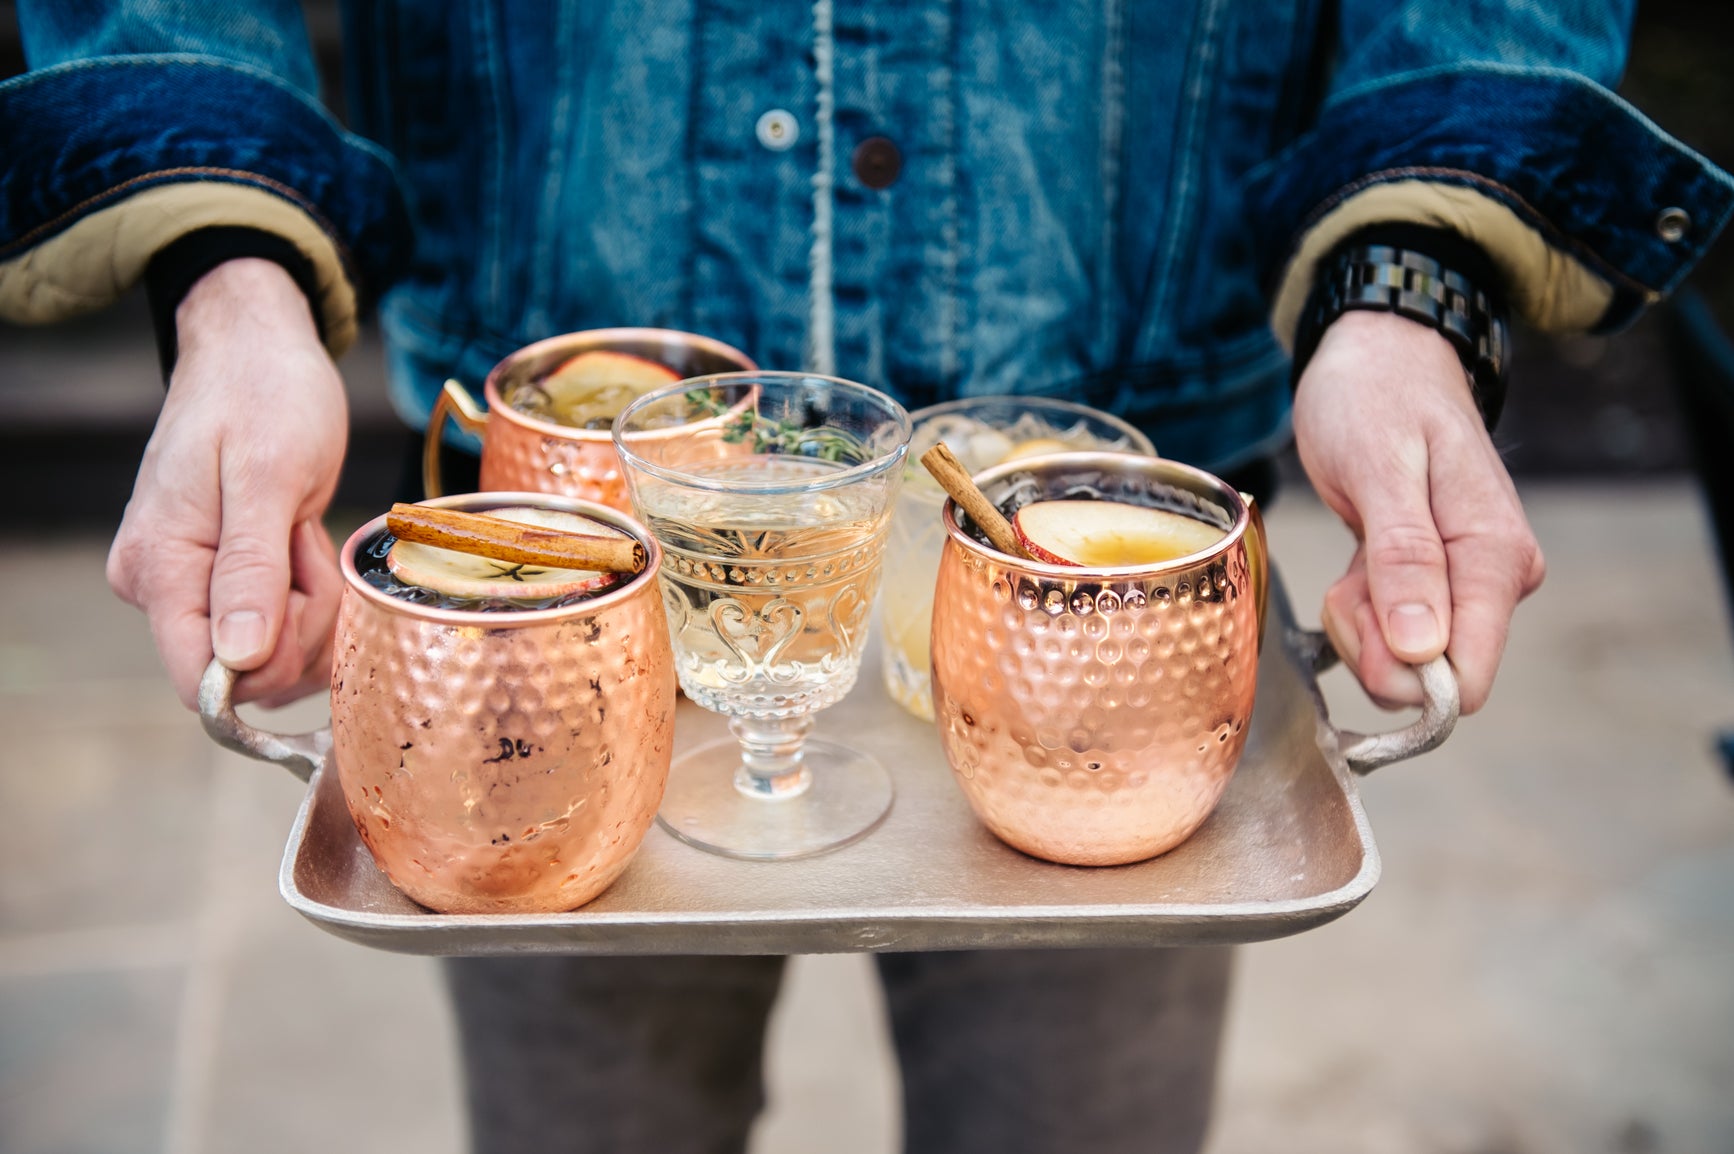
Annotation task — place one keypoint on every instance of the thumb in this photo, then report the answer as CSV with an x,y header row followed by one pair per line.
x,y
250,579
1407,577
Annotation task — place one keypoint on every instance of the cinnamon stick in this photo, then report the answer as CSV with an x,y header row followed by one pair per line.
x,y
955,479
501,540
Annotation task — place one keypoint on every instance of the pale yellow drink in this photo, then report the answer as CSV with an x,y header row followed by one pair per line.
x,y
768,595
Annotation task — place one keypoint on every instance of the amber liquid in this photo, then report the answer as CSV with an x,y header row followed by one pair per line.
x,y
1170,538
1185,535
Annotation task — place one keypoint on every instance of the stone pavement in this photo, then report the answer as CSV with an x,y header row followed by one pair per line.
x,y
1545,967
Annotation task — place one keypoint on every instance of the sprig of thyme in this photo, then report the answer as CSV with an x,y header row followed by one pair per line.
x,y
774,435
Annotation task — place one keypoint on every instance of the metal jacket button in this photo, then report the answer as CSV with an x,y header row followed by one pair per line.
x,y
877,162
1672,225
778,130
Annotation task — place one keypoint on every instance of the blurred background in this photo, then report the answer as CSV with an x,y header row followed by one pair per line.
x,y
1545,967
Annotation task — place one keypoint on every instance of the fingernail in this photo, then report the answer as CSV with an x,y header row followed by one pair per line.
x,y
240,636
1414,628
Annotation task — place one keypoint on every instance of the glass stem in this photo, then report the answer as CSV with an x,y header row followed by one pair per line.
x,y
771,766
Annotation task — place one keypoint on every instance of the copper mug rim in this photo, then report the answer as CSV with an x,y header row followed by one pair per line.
x,y
602,339
1117,462
497,619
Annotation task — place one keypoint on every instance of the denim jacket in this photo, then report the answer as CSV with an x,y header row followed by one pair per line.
x,y
1116,200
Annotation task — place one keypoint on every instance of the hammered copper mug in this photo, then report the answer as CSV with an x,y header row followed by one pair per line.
x,y
493,762
521,451
1093,716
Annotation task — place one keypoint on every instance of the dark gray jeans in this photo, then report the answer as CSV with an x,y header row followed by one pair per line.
x,y
1056,1051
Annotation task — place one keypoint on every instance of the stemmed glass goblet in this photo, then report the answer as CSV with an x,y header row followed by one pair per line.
x,y
771,496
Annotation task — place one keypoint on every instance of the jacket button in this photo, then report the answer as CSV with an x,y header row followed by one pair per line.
x,y
1672,225
778,130
877,162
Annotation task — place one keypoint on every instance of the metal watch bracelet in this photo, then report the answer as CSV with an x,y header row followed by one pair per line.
x,y
1384,278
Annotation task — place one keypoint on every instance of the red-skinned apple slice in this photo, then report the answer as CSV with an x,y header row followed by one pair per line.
x,y
462,575
1104,533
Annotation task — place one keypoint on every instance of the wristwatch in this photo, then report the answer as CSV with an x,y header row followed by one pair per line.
x,y
1457,298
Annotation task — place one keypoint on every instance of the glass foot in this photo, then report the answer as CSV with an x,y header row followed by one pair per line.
x,y
849,794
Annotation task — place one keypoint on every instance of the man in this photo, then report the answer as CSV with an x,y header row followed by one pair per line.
x,y
1145,206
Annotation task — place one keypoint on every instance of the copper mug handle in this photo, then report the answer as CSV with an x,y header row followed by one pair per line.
x,y
1440,706
302,754
1258,562
454,402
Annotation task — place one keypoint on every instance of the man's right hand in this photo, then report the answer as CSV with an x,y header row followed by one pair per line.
x,y
222,544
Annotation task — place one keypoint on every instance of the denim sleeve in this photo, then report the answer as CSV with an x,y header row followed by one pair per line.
x,y
141,121
1495,119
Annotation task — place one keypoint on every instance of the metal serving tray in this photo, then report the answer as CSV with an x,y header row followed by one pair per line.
x,y
1289,848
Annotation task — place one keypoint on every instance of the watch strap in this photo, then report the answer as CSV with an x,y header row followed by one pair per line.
x,y
1464,307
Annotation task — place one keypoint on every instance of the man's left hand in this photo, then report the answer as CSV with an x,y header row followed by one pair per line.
x,y
1388,431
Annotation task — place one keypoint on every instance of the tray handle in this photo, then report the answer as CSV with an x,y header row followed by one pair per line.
x,y
302,754
1440,705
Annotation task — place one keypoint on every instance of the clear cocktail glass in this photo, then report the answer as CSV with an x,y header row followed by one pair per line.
x,y
771,496
982,432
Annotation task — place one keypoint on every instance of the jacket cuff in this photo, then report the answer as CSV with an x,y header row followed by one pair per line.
x,y
111,161
174,270
1588,210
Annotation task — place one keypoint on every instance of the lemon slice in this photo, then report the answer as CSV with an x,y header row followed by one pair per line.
x,y
464,575
1035,448
589,390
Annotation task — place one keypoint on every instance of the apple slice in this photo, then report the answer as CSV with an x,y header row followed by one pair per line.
x,y
590,389
462,575
1102,533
